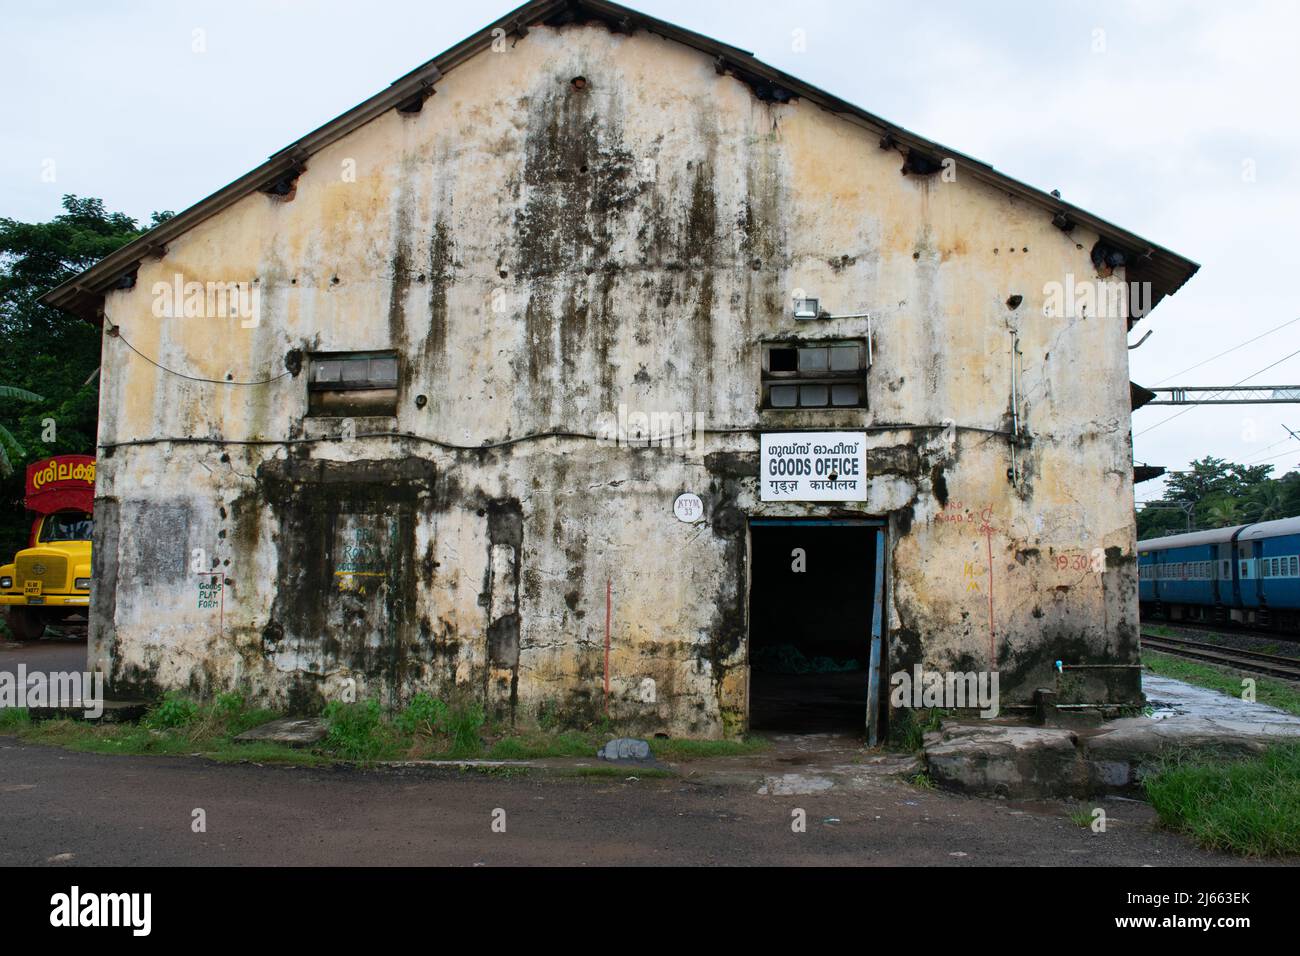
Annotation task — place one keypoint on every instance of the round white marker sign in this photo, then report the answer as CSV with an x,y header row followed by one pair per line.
x,y
688,507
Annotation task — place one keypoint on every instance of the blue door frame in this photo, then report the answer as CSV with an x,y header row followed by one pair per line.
x,y
877,605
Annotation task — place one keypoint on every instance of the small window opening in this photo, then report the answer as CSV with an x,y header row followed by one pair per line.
x,y
815,375
342,384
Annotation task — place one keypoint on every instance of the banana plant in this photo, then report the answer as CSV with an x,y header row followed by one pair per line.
x,y
7,439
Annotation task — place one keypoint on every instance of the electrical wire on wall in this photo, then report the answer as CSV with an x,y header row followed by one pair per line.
x,y
115,331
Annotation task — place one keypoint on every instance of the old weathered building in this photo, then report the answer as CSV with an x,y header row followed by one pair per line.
x,y
375,415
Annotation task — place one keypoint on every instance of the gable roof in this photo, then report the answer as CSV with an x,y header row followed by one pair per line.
x,y
83,295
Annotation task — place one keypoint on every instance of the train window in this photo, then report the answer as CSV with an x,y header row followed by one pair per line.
x,y
1294,562
1266,573
1275,567
1227,571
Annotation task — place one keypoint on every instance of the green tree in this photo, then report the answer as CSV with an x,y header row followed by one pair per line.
x,y
1221,494
48,359
1202,478
1160,519
1221,511
1266,502
9,445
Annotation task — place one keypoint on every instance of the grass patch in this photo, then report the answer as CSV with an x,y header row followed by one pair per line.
x,y
14,718
908,727
175,726
357,731
425,729
266,752
921,780
1276,693
1081,817
619,772
1249,806
539,745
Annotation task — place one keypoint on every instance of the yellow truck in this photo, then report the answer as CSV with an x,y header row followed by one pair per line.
x,y
49,581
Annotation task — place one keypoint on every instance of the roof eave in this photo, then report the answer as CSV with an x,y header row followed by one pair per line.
x,y
83,294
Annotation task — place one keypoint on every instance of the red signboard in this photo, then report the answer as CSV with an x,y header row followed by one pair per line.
x,y
61,483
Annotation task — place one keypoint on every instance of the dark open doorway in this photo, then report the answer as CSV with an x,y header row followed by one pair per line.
x,y
811,599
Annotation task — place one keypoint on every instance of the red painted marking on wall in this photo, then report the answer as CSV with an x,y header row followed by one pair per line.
x,y
993,652
609,588
986,525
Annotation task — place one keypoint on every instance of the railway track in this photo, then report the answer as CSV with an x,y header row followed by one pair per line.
x,y
1287,668
1224,627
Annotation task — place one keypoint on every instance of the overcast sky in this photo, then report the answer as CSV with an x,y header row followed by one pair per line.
x,y
1173,120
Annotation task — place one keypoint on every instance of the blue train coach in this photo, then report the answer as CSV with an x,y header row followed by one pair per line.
x,y
1249,574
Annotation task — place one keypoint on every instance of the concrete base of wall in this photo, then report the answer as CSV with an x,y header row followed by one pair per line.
x,y
1110,758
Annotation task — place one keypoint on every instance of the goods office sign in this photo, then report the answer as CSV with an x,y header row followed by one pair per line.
x,y
813,466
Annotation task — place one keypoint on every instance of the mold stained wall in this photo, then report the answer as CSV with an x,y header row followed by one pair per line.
x,y
541,254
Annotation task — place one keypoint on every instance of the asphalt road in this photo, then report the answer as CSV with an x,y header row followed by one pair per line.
x,y
48,654
64,808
